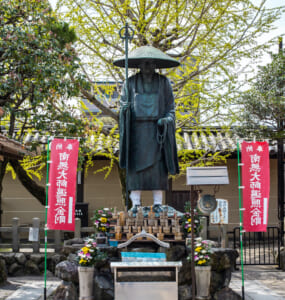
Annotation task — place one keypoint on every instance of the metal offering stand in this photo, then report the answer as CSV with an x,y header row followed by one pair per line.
x,y
145,275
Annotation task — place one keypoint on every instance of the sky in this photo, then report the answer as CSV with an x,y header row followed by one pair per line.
x,y
280,26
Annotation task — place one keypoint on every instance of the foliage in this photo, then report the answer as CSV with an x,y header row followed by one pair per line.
x,y
208,37
34,66
33,166
101,220
89,254
202,252
37,61
264,103
186,221
97,144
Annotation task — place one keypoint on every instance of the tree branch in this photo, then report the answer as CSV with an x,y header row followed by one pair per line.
x,y
35,189
96,102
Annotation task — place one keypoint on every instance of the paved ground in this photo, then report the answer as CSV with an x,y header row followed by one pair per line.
x,y
27,288
261,283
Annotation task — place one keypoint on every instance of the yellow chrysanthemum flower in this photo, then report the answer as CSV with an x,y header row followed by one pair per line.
x,y
103,220
82,261
201,262
85,250
198,249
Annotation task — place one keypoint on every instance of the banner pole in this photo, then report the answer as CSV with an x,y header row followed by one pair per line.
x,y
241,221
46,209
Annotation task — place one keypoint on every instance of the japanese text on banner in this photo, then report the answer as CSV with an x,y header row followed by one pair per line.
x,y
256,183
62,184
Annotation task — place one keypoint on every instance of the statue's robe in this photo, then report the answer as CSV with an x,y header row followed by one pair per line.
x,y
152,148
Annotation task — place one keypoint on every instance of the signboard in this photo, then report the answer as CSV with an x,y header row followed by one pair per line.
x,y
81,212
207,175
256,185
62,184
220,215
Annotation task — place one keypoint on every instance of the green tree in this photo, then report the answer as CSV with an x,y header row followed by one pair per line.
x,y
263,104
36,57
210,38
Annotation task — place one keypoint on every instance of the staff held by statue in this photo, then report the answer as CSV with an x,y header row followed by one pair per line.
x,y
127,33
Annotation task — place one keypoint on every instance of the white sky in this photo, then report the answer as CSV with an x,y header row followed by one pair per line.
x,y
280,26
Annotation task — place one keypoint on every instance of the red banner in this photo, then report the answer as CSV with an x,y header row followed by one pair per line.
x,y
62,184
256,183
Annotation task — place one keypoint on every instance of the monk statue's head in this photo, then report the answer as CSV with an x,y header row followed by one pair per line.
x,y
147,67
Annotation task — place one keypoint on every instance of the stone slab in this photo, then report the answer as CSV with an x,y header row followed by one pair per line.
x,y
31,288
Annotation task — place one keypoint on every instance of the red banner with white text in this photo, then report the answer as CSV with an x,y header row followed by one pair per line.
x,y
256,185
62,184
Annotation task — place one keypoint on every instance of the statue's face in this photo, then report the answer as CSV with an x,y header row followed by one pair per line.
x,y
147,67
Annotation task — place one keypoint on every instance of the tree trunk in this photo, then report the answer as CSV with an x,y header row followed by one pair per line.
x,y
35,189
122,176
3,165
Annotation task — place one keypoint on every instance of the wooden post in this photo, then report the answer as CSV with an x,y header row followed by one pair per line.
x,y
77,232
224,238
204,231
36,228
57,241
15,234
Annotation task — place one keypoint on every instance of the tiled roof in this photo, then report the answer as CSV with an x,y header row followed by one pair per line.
x,y
208,141
216,141
213,141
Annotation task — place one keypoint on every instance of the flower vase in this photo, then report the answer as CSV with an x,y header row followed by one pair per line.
x,y
203,280
86,275
101,238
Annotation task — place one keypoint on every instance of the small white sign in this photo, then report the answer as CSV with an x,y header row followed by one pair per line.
x,y
207,175
33,234
70,210
221,214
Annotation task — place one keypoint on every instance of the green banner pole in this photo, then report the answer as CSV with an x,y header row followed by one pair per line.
x,y
46,209
241,220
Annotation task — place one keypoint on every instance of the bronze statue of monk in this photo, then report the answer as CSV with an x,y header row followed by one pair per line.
x,y
151,149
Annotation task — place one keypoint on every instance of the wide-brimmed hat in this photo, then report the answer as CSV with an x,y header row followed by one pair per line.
x,y
144,53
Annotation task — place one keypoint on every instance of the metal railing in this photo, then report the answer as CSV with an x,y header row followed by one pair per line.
x,y
259,248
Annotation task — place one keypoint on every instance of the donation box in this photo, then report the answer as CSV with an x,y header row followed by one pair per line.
x,y
148,278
